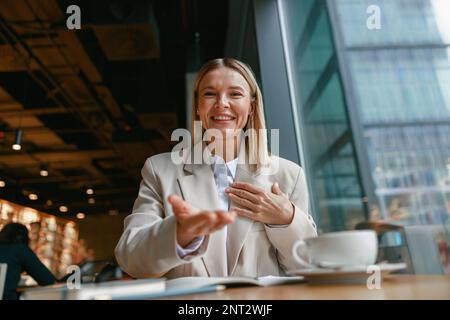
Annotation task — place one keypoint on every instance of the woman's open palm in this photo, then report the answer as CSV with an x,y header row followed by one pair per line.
x,y
193,223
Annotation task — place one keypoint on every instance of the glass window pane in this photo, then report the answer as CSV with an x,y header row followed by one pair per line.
x,y
330,160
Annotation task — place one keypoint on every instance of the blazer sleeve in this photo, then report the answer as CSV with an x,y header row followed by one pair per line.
x,y
147,247
301,227
35,268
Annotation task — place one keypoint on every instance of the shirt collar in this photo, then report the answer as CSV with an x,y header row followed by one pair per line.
x,y
231,165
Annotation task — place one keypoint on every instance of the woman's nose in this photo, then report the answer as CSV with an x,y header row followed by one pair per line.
x,y
222,101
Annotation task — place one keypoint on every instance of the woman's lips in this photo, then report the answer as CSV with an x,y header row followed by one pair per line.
x,y
222,119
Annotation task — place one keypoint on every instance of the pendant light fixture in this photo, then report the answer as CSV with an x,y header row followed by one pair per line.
x,y
44,170
18,140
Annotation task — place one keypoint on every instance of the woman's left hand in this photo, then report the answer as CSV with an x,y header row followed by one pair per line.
x,y
266,207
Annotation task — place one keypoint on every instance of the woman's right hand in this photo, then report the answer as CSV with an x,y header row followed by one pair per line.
x,y
193,223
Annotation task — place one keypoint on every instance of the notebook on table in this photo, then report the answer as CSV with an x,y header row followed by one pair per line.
x,y
198,282
152,288
195,285
93,291
3,269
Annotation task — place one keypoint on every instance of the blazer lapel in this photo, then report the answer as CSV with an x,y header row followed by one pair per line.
x,y
238,231
199,189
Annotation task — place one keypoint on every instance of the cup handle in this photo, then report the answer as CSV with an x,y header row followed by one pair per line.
x,y
297,245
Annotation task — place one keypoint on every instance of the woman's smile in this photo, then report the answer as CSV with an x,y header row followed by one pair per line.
x,y
223,118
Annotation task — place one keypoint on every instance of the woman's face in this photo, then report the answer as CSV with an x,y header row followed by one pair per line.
x,y
224,100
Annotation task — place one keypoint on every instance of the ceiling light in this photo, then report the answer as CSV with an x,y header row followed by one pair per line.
x,y
113,212
2,183
63,209
44,171
91,200
18,141
33,196
81,215
89,191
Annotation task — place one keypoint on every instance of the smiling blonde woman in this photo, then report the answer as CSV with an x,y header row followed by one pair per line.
x,y
221,217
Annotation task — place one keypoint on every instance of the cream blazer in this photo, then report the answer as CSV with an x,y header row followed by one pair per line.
x,y
147,247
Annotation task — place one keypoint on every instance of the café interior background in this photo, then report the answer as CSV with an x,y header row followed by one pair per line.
x,y
366,111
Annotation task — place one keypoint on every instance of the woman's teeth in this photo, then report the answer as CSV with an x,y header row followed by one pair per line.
x,y
223,118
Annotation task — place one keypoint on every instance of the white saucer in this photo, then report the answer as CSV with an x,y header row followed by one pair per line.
x,y
358,274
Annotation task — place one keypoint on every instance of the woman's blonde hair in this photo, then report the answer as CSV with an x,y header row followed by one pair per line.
x,y
256,142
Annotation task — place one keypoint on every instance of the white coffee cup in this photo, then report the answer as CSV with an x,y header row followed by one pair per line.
x,y
338,249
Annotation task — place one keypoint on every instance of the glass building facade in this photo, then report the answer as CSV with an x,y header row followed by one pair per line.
x,y
400,80
330,160
400,76
374,108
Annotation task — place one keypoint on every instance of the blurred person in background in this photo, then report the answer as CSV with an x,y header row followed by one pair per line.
x,y
16,253
80,252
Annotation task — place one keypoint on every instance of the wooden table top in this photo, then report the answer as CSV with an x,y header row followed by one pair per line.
x,y
393,287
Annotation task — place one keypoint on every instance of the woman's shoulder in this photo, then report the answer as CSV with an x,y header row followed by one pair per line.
x,y
22,247
283,165
13,245
159,158
162,162
16,248
286,171
174,159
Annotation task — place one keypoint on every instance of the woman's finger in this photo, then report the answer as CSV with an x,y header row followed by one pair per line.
x,y
203,230
198,221
226,217
248,186
246,213
246,203
223,218
276,189
193,227
218,227
242,193
208,227
206,222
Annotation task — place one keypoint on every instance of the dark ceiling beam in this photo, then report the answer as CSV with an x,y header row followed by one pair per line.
x,y
27,55
14,160
76,70
79,180
42,129
38,111
104,192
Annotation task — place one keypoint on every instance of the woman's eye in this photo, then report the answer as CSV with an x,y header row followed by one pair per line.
x,y
209,94
236,94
